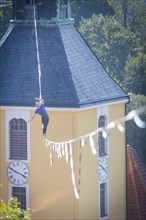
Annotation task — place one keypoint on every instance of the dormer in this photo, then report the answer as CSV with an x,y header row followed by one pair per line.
x,y
47,11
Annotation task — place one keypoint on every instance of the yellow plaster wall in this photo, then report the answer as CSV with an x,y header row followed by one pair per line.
x,y
50,187
89,200
51,190
88,203
117,167
3,164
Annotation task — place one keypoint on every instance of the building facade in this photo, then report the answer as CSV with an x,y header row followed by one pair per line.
x,y
80,97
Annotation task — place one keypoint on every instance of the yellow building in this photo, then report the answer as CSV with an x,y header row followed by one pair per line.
x,y
80,97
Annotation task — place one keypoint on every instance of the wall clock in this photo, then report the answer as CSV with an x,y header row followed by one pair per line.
x,y
103,169
18,172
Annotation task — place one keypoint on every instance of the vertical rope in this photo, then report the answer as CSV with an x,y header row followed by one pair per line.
x,y
37,50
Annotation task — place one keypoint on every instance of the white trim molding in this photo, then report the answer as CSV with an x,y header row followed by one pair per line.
x,y
10,114
106,202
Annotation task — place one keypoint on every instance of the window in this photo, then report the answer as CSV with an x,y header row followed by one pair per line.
x,y
18,139
102,142
21,193
103,200
17,135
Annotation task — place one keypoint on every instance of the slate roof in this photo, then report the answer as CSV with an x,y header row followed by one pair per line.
x,y
136,186
71,74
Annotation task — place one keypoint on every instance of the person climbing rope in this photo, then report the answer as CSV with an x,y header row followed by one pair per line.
x,y
40,109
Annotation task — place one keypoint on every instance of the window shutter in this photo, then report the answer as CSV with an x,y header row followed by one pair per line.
x,y
101,140
103,200
18,139
20,194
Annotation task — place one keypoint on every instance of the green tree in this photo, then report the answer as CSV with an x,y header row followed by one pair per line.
x,y
135,73
5,17
12,210
86,8
110,41
131,14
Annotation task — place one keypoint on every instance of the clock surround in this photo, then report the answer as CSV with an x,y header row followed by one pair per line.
x,y
102,169
18,172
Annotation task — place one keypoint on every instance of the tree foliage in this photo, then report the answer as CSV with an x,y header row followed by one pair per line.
x,y
135,73
86,8
131,14
5,17
111,42
12,210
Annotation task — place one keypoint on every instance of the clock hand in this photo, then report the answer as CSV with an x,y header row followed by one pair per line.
x,y
23,175
13,170
18,172
103,168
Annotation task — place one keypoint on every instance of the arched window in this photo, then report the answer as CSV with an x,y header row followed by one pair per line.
x,y
102,142
18,139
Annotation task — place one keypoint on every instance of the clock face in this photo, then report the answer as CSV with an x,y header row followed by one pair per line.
x,y
18,172
102,169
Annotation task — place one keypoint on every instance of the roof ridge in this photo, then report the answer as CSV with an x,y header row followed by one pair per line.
x,y
7,33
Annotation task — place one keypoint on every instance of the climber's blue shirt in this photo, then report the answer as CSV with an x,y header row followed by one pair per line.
x,y
42,111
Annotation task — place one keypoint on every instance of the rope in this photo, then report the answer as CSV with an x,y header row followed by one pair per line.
x,y
37,50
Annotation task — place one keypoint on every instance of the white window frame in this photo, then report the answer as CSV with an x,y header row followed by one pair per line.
x,y
107,201
10,114
27,193
103,111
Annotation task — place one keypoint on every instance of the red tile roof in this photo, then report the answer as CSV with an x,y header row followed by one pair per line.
x,y
136,171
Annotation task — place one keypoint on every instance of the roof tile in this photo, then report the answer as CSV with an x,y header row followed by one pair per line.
x,y
136,186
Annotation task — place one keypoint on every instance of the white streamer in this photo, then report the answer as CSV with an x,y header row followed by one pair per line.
x,y
62,148
72,173
120,127
92,145
139,122
66,152
104,134
82,141
59,150
51,156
